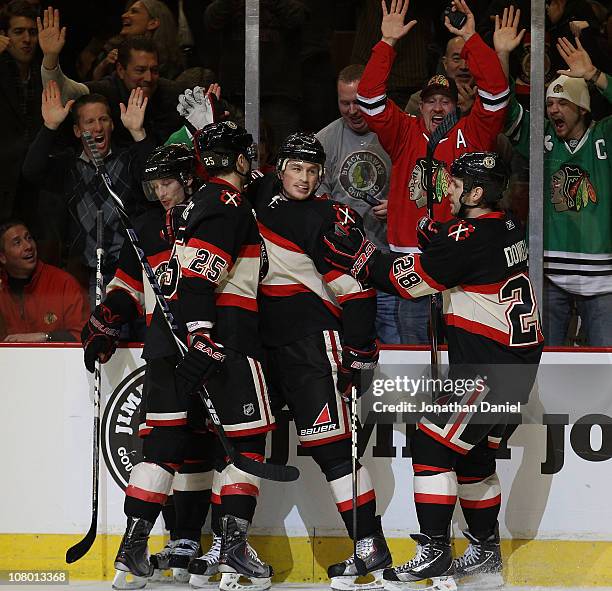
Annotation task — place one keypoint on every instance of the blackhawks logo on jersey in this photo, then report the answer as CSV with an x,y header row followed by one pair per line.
x,y
572,189
417,186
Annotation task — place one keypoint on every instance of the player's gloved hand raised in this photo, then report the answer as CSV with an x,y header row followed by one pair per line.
x,y
203,359
100,335
356,369
427,229
198,107
175,223
348,250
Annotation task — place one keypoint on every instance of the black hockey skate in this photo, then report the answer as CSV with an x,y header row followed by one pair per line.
x,y
161,562
481,564
206,566
433,560
238,558
374,552
133,556
183,552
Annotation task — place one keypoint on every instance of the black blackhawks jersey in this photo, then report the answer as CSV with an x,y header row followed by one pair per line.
x,y
300,293
129,275
489,306
217,254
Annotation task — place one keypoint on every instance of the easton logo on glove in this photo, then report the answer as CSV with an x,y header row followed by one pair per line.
x,y
207,349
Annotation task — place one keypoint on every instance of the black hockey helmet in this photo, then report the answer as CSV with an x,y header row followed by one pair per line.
x,y
482,169
301,146
218,145
171,161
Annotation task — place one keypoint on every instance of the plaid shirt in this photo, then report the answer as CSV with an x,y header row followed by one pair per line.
x,y
75,177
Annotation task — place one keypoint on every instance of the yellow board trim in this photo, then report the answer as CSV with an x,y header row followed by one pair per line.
x,y
305,559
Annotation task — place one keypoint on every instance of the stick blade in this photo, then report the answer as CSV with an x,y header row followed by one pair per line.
x,y
81,548
276,472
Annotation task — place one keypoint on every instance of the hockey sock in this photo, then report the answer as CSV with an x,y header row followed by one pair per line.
x,y
435,484
169,514
148,490
192,489
334,461
479,489
480,500
239,490
342,490
216,511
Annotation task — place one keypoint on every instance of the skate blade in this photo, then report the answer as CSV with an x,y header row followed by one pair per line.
x,y
180,575
205,581
236,582
161,576
434,584
482,582
368,582
126,580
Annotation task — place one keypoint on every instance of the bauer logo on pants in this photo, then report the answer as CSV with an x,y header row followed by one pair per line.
x,y
121,446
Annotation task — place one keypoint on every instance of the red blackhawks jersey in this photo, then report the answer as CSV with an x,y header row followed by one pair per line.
x,y
480,266
300,293
217,254
404,137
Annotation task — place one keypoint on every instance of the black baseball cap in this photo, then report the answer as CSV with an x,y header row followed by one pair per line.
x,y
440,84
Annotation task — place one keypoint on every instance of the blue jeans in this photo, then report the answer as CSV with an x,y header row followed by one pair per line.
x,y
413,316
386,318
595,315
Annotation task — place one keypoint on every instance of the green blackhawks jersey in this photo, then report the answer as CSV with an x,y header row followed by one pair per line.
x,y
577,202
182,136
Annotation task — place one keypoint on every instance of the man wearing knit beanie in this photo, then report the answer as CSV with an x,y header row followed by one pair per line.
x,y
577,200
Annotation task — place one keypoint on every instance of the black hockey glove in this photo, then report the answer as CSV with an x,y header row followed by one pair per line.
x,y
348,251
203,359
427,229
356,369
101,333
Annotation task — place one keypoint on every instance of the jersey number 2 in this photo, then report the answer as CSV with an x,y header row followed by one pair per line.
x,y
522,313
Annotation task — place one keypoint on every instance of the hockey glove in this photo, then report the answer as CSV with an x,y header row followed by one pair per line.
x,y
175,223
348,250
202,360
197,107
426,231
356,370
101,333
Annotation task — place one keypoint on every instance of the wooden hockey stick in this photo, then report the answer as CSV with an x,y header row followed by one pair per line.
x,y
82,547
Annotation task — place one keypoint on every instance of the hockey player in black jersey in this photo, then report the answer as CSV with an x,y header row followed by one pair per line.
x,y
168,179
479,262
317,324
216,266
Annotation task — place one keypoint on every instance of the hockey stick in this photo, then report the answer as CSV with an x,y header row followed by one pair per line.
x,y
434,300
266,471
360,566
81,548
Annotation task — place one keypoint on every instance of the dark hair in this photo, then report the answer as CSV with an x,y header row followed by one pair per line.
x,y
138,43
6,225
16,8
88,99
351,73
